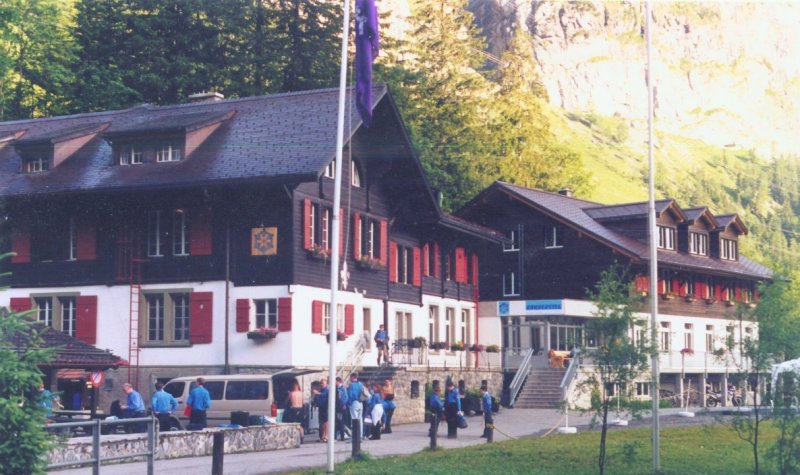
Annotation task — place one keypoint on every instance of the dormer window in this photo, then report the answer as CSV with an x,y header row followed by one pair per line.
x,y
36,164
666,238
169,153
355,174
130,155
698,244
728,249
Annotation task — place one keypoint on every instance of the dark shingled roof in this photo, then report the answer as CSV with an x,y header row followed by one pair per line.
x,y
281,137
70,352
578,214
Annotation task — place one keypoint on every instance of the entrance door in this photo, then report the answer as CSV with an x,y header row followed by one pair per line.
x,y
536,338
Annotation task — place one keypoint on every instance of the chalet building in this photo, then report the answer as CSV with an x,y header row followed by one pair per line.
x,y
534,289
195,238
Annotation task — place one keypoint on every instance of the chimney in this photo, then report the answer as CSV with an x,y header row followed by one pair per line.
x,y
204,96
565,192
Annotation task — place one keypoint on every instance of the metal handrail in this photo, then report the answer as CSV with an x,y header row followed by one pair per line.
x,y
354,359
569,376
521,376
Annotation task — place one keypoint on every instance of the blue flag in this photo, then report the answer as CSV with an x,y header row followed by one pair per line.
x,y
366,50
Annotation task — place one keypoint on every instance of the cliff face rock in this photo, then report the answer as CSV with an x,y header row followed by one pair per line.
x,y
723,72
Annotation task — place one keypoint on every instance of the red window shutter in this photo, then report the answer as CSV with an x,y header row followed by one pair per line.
x,y
384,240
416,279
86,319
738,294
242,315
200,321
642,283
717,291
200,235
426,255
341,233
285,314
349,319
356,236
475,269
461,265
676,286
308,238
316,316
86,242
660,287
392,261
700,289
20,304
437,261
21,245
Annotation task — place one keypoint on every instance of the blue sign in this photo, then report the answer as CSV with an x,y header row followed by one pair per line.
x,y
541,305
503,308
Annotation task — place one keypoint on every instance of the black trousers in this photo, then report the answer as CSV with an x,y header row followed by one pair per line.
x,y
388,427
488,423
198,417
164,422
451,414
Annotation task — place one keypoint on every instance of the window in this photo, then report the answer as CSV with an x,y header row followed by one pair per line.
x,y
215,389
710,338
168,317
154,244
44,312
510,284
688,337
433,324
728,249
355,174
246,390
691,286
553,237
698,244
36,164
169,153
450,325
666,282
266,313
130,155
330,170
430,269
403,322
747,294
465,320
404,264
665,340
180,233
73,241
68,315
325,228
642,389
370,238
321,220
326,317
513,236
666,238
367,313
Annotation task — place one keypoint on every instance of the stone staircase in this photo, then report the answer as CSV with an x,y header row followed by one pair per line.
x,y
376,374
541,389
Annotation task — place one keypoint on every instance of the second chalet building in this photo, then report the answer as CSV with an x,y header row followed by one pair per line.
x,y
194,239
534,288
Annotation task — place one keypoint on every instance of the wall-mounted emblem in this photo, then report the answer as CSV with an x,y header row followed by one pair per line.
x,y
264,241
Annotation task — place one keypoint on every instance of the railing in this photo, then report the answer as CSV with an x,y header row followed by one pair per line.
x,y
354,358
96,430
520,377
569,376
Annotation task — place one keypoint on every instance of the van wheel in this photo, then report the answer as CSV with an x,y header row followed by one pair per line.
x,y
175,424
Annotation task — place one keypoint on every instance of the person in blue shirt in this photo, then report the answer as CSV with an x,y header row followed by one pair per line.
x,y
435,403
488,420
375,408
354,392
163,405
342,410
452,408
133,407
382,344
321,401
200,401
46,400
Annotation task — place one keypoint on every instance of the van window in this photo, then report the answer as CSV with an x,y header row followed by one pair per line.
x,y
238,390
176,389
214,388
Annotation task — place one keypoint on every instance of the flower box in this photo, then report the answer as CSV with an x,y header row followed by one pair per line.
x,y
690,298
476,348
457,346
262,333
711,301
340,336
370,264
438,345
417,342
730,303
668,296
319,252
493,349
687,351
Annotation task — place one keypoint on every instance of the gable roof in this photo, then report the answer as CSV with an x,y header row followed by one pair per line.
x,y
283,137
725,221
579,215
69,352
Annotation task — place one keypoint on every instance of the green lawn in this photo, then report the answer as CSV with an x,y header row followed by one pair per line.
x,y
695,450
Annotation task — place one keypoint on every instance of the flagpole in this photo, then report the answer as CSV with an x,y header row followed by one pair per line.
x,y
337,192
653,235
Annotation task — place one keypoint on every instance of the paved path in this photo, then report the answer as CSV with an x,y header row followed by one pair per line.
x,y
405,439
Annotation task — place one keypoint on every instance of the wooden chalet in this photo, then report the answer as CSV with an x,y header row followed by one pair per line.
x,y
195,238
533,290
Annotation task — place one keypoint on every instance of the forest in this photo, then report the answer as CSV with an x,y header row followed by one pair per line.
x,y
474,118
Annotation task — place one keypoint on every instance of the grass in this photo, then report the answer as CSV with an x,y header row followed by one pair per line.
x,y
694,450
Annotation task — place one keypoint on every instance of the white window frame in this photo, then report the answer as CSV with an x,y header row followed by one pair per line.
x,y
449,325
698,243
180,233
510,284
513,236
181,316
68,314
433,323
554,237
44,310
154,244
666,238
642,389
728,249
73,240
355,174
688,336
37,164
130,155
404,325
466,316
326,317
156,318
169,153
366,313
665,337
330,169
266,313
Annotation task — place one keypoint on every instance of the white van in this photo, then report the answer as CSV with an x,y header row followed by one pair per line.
x,y
253,393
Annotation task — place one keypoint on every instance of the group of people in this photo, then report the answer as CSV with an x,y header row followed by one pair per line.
x,y
450,410
373,407
164,405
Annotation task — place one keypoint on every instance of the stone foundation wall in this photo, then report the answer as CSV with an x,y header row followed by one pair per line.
x,y
179,444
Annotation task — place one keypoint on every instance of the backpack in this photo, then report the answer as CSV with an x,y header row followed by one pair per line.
x,y
365,395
